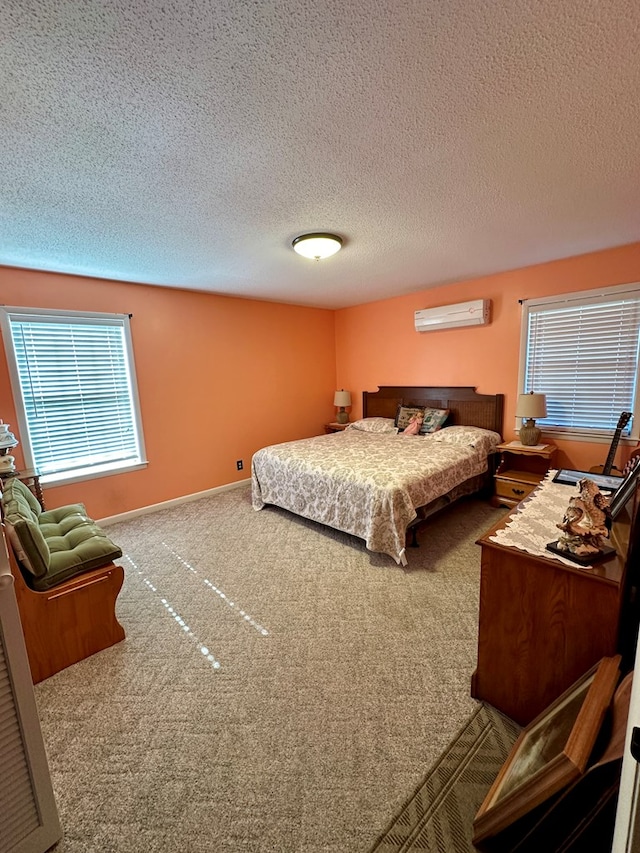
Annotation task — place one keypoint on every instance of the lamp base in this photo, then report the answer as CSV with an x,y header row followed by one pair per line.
x,y
7,464
342,417
529,433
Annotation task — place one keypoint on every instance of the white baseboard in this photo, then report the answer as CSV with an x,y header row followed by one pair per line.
x,y
146,510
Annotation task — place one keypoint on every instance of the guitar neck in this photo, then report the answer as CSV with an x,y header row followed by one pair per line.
x,y
625,417
608,465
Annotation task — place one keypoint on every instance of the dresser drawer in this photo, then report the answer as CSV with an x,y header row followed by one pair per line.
x,y
513,490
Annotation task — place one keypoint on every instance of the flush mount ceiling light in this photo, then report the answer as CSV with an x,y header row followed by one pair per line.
x,y
317,246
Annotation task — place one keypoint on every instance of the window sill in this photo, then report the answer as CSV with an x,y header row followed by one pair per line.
x,y
562,435
65,479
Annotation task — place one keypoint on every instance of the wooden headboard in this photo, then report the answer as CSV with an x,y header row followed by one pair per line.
x,y
465,405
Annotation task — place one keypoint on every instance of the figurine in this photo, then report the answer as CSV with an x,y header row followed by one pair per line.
x,y
415,423
586,521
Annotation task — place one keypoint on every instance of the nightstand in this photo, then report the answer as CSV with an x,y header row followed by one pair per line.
x,y
335,427
520,470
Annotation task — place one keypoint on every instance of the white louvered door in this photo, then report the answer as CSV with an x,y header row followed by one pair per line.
x,y
28,814
627,831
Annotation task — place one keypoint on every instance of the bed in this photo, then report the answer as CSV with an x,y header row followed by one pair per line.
x,y
374,482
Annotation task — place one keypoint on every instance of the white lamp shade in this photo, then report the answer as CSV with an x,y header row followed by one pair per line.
x,y
342,398
7,439
317,246
531,406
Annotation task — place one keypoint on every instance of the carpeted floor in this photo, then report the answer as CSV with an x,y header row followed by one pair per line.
x,y
280,688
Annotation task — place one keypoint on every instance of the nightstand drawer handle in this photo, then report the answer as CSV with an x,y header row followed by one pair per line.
x,y
518,491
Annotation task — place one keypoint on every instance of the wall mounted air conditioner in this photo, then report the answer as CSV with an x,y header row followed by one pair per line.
x,y
474,313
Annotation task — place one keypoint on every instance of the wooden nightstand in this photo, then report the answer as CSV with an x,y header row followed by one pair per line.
x,y
335,427
520,470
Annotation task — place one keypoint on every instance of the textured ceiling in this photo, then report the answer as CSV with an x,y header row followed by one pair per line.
x,y
187,142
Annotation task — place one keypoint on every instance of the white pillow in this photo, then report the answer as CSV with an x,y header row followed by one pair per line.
x,y
485,439
374,425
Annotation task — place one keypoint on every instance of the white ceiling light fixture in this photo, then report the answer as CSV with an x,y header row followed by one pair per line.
x,y
317,246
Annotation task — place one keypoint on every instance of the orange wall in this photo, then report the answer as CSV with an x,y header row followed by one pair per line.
x,y
218,378
377,344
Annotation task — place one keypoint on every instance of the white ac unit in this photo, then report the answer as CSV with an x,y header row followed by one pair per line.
x,y
474,313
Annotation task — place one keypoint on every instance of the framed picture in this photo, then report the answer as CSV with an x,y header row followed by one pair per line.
x,y
551,752
605,482
624,492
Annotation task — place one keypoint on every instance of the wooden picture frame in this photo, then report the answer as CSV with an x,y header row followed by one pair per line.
x,y
605,482
551,752
625,492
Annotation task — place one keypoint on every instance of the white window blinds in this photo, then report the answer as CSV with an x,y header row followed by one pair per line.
x,y
77,388
582,353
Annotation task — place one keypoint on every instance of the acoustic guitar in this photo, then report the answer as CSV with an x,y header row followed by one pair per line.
x,y
608,466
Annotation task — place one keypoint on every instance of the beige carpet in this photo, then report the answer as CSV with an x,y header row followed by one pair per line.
x,y
280,688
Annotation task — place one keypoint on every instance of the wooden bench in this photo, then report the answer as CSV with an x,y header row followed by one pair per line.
x,y
70,621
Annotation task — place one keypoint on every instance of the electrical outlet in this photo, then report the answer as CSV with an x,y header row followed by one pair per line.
x,y
239,464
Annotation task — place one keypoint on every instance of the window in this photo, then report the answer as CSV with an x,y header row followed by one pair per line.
x,y
581,351
74,385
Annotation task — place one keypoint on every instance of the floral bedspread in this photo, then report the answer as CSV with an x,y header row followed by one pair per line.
x,y
366,484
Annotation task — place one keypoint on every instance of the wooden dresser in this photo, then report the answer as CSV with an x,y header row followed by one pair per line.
x,y
543,624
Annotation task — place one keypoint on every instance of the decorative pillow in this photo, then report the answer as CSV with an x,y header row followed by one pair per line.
x,y
374,425
434,420
404,415
18,498
28,543
470,436
16,544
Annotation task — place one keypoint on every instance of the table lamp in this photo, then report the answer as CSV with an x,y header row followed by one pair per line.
x,y
530,406
342,398
7,442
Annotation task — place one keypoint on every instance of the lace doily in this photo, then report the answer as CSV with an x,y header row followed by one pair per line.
x,y
534,523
